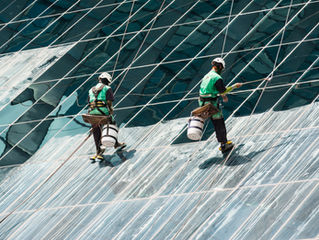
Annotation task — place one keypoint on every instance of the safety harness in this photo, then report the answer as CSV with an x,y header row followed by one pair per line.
x,y
96,104
207,99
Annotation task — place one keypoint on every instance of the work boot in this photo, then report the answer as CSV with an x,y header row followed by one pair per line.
x,y
96,157
224,147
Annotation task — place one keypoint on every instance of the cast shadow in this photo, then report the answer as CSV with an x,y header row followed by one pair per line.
x,y
231,158
117,158
234,158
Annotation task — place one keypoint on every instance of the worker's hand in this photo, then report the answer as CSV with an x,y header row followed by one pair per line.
x,y
238,85
225,98
111,110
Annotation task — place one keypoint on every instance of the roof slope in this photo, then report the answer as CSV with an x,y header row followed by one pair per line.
x,y
266,189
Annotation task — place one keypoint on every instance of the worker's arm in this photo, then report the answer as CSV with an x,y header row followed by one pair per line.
x,y
110,106
110,98
231,88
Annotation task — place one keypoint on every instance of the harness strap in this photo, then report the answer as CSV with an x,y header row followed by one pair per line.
x,y
207,99
97,103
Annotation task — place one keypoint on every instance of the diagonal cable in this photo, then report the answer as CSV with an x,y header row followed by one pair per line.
x,y
123,37
139,49
74,44
225,37
277,55
16,34
75,66
16,16
71,119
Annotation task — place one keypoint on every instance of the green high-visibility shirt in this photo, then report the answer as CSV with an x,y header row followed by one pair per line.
x,y
207,87
100,97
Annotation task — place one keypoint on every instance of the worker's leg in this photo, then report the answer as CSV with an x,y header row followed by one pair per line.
x,y
220,130
97,133
219,124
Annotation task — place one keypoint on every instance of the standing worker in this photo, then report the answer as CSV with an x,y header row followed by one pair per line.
x,y
100,100
211,87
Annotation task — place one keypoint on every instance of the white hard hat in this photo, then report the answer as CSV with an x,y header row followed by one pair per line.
x,y
219,60
106,76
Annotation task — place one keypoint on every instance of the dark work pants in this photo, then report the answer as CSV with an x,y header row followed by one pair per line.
x,y
220,129
97,134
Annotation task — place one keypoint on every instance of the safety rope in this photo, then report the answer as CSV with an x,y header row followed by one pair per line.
x,y
69,122
147,104
164,33
238,185
191,62
46,180
180,144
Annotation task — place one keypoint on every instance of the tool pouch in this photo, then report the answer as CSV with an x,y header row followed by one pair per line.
x,y
96,119
205,111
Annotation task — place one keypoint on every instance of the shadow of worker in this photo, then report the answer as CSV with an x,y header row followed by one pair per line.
x,y
231,158
117,158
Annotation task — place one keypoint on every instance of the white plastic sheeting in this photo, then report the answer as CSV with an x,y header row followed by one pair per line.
x,y
18,70
266,189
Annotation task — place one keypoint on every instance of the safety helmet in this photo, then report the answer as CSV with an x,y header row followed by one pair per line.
x,y
105,78
220,61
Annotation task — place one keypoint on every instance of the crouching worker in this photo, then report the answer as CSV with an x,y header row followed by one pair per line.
x,y
212,86
100,100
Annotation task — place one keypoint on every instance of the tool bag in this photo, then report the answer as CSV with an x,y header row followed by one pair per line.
x,y
96,119
205,111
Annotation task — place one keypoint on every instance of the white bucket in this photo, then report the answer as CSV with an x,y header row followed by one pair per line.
x,y
109,135
195,128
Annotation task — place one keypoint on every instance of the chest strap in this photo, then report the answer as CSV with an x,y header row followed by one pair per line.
x,y
97,104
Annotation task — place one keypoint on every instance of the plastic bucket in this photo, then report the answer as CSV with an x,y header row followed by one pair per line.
x,y
109,135
195,128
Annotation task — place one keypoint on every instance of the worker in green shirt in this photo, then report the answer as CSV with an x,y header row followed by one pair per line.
x,y
212,86
100,100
